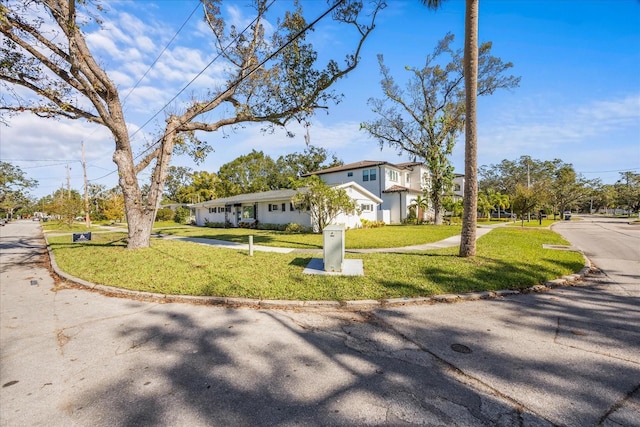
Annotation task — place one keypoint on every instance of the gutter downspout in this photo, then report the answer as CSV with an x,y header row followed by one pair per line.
x,y
380,184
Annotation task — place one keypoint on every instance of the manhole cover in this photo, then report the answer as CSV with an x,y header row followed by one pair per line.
x,y
460,348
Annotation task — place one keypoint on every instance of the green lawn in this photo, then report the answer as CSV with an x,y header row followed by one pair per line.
x,y
507,258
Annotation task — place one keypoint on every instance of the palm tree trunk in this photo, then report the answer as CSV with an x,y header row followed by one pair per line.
x,y
470,216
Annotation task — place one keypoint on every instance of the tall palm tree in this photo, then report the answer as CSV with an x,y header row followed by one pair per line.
x,y
432,4
470,216
500,201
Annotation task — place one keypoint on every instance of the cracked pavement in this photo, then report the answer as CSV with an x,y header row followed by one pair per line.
x,y
73,357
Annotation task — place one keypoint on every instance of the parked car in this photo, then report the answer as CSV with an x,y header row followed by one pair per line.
x,y
2,222
566,215
35,218
503,214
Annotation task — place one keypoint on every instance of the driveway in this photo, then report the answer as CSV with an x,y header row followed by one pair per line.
x,y
73,357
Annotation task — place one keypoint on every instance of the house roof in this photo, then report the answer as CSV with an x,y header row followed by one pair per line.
x,y
363,164
360,189
400,189
408,165
350,166
277,195
264,196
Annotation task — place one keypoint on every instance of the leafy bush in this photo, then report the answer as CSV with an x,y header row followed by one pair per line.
x,y
272,227
248,224
164,214
214,224
371,224
182,215
293,227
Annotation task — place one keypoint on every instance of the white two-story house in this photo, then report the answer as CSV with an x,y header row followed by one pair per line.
x,y
397,185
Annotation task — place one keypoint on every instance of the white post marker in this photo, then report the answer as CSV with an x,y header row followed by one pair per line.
x,y
250,245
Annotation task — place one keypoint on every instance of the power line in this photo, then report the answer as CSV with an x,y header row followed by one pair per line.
x,y
613,171
235,83
196,77
162,52
40,160
182,90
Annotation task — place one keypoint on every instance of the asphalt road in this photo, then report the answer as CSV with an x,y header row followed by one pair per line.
x,y
566,357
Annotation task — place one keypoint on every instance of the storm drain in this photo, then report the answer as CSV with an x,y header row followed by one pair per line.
x,y
460,348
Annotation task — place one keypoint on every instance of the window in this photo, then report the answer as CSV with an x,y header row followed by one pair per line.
x,y
456,187
393,175
284,207
247,212
365,175
349,174
372,174
274,207
212,210
291,208
366,207
408,179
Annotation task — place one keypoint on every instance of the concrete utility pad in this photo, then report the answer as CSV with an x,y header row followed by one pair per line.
x,y
350,267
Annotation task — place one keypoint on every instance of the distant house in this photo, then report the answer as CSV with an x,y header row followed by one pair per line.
x,y
397,185
276,207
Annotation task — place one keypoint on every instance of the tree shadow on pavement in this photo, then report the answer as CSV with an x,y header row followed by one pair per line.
x,y
203,366
570,355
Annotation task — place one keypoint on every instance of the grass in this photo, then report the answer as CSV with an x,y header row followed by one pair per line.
x,y
384,237
506,258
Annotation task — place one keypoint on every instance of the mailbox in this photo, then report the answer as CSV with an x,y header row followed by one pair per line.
x,y
333,244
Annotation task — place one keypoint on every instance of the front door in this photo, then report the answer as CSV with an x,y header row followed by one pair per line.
x,y
238,215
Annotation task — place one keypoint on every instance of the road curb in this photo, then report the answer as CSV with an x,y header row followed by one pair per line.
x,y
350,305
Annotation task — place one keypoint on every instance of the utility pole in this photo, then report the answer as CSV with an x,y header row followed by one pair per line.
x,y
528,186
68,181
87,219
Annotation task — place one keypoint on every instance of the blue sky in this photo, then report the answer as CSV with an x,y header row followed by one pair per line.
x,y
579,97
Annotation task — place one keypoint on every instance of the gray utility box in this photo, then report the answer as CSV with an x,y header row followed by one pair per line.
x,y
333,244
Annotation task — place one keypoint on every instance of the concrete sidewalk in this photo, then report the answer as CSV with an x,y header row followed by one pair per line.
x,y
445,243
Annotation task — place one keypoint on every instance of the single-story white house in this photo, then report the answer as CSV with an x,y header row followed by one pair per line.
x,y
275,207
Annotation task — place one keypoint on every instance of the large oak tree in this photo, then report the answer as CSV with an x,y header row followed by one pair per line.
x,y
270,80
425,118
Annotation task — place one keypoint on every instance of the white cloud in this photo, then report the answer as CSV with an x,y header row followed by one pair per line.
x,y
544,127
42,148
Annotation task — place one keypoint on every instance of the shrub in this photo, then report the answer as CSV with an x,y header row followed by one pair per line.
x,y
248,224
182,215
371,224
293,227
273,227
164,214
214,224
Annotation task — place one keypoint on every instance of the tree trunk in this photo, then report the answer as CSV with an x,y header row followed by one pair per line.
x,y
138,223
470,216
437,212
141,213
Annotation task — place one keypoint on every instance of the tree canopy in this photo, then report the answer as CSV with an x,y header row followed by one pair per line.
x,y
324,203
426,117
14,185
48,69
